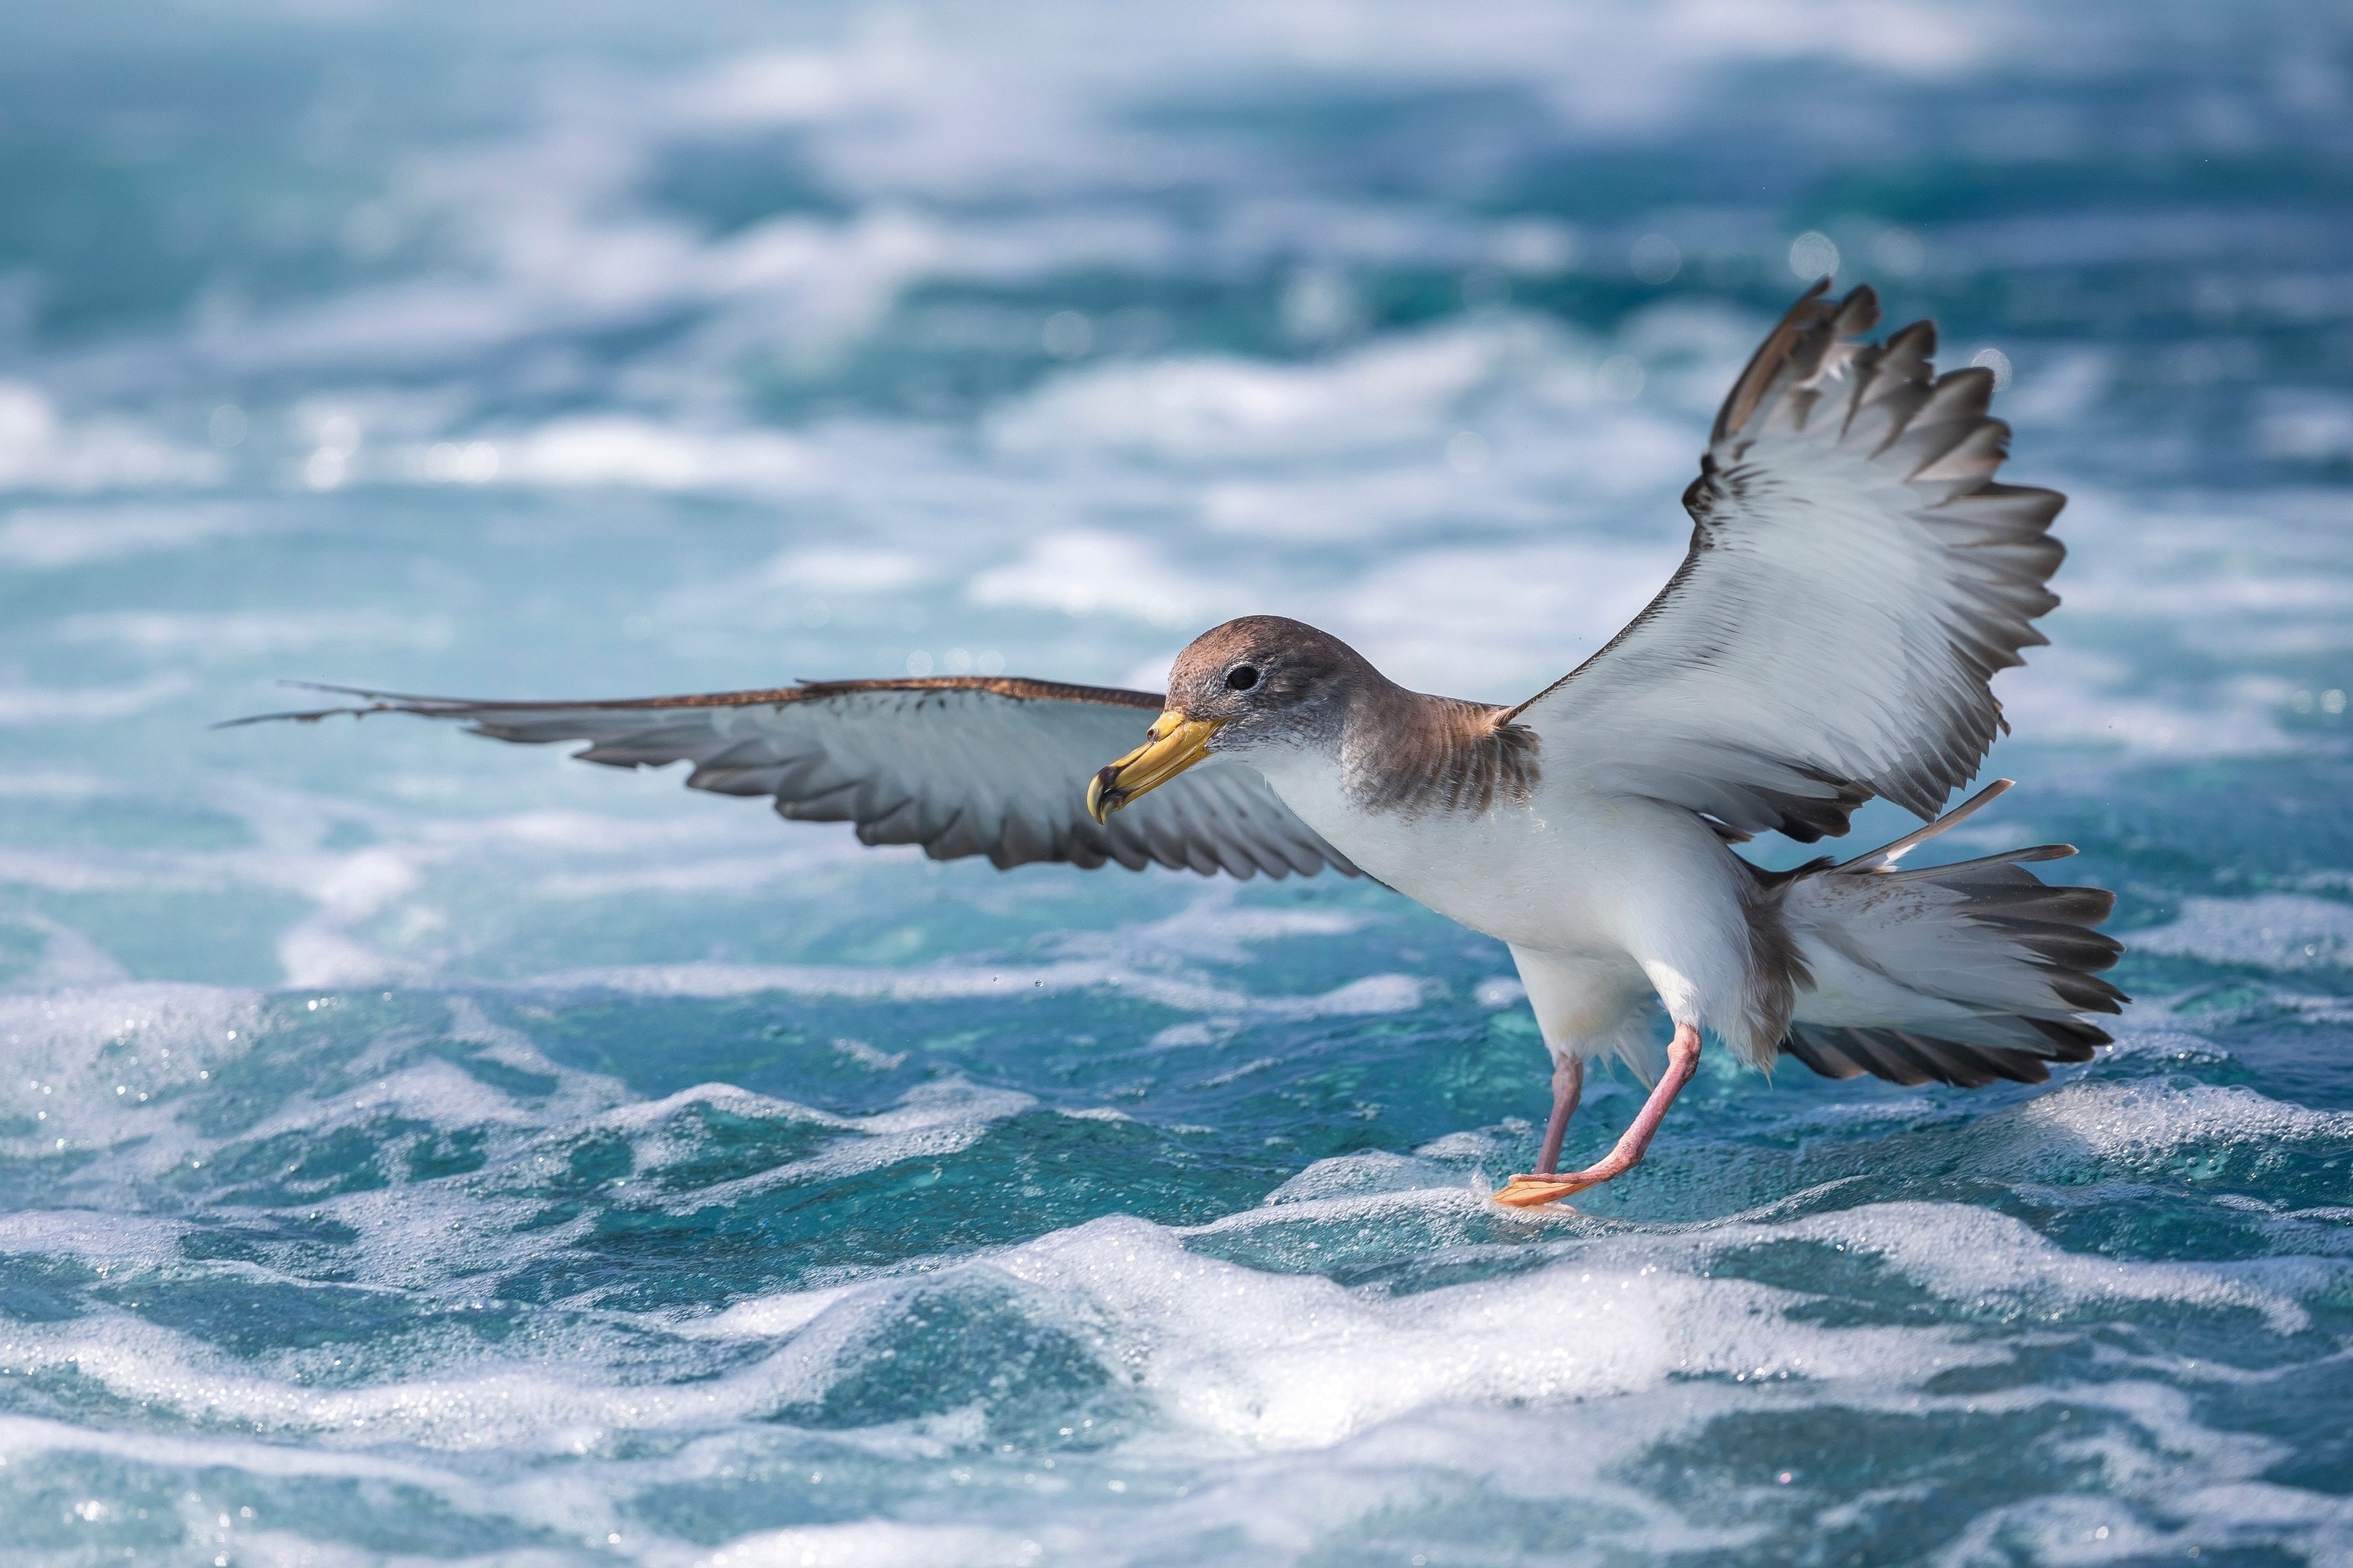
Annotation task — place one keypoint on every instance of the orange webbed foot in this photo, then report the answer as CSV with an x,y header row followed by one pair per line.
x,y
1533,1191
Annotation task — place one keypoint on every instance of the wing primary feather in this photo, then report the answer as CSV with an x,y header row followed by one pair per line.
x,y
961,766
1748,390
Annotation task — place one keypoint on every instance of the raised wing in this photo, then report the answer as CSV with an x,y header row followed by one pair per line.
x,y
1855,578
963,766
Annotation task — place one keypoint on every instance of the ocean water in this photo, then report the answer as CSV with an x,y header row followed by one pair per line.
x,y
418,1150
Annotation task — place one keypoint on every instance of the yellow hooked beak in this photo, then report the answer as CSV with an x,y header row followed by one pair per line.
x,y
1177,744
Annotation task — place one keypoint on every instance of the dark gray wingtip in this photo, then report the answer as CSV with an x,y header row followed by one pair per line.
x,y
1812,310
377,703
308,715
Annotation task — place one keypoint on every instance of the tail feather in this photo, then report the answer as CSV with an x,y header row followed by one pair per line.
x,y
1903,1058
1954,974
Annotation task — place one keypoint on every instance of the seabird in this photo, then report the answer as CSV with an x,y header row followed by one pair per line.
x,y
1855,578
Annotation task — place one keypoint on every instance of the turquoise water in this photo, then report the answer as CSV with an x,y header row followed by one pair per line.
x,y
413,1150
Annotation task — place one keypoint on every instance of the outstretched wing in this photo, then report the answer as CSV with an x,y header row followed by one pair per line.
x,y
963,766
1855,578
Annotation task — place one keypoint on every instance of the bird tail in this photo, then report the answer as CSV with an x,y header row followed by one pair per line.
x,y
1951,974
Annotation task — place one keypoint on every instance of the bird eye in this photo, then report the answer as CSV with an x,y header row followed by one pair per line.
x,y
1241,678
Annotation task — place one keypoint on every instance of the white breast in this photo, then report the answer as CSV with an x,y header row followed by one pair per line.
x,y
1566,871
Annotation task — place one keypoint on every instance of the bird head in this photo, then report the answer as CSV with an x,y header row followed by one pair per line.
x,y
1253,682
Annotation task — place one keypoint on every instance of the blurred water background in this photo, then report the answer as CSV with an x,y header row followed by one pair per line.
x,y
420,1151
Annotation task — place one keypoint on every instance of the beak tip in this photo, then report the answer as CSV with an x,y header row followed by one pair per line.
x,y
1103,796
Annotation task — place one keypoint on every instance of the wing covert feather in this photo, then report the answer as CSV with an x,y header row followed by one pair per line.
x,y
1855,578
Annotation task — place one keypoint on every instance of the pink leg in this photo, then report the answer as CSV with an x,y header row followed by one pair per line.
x,y
1567,1083
1683,1061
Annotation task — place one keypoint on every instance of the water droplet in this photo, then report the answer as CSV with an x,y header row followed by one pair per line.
x,y
1812,255
1655,259
1067,334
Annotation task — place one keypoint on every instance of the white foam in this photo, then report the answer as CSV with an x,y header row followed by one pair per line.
x,y
227,634
69,959
2307,426
1272,1361
1355,1175
1549,458
60,785
848,569
52,536
25,1435
763,1317
2168,1487
115,1072
379,911
688,827
2067,697
1215,925
87,704
558,237
318,955
1220,410
1310,1404
1991,1261
109,1068
40,448
2279,931
611,449
884,1543
1371,994
1500,991
1438,619
85,1233
936,1119
2136,562
1277,1363
711,877
52,1035
1083,571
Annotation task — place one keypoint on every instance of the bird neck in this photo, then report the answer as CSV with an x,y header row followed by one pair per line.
x,y
1413,753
